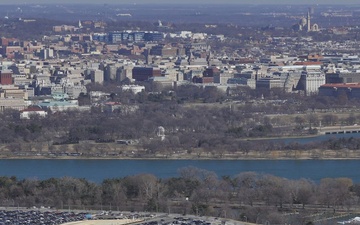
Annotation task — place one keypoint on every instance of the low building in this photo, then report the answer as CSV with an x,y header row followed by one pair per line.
x,y
243,81
12,103
133,88
270,82
351,90
342,78
31,111
111,107
59,105
203,80
222,78
14,93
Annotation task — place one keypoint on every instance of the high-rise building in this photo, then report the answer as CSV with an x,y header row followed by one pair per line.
x,y
97,76
153,36
110,73
115,37
46,53
134,36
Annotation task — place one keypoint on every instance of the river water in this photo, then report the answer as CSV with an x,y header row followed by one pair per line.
x,y
98,170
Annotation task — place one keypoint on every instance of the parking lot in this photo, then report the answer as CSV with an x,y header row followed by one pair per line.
x,y
37,217
53,217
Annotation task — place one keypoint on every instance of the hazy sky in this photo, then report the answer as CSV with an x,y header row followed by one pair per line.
x,y
183,1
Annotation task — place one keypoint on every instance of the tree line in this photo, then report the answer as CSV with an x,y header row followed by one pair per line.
x,y
248,196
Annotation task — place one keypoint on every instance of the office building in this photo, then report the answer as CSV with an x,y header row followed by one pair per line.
x,y
144,73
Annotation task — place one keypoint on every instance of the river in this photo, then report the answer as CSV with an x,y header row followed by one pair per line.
x,y
98,170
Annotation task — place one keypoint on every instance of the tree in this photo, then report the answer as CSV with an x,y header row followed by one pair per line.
x,y
334,191
274,190
330,119
302,191
114,193
342,98
351,120
246,187
313,120
180,187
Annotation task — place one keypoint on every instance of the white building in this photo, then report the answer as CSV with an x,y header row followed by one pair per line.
x,y
311,81
133,88
27,113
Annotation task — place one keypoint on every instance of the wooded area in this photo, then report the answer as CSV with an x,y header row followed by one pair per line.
x,y
197,120
247,196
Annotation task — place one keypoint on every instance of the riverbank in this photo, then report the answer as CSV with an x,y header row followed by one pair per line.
x,y
318,154
246,149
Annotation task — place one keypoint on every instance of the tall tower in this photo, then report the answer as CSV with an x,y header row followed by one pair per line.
x,y
308,23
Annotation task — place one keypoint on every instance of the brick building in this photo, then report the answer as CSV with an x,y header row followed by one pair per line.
x,y
6,77
351,90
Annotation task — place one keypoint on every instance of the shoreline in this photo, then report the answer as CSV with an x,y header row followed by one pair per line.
x,y
119,152
182,158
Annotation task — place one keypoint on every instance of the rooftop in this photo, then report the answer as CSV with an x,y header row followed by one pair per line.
x,y
342,85
33,109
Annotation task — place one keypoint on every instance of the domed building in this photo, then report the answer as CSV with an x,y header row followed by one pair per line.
x,y
305,24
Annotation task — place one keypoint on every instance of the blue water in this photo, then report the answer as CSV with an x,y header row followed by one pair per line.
x,y
98,170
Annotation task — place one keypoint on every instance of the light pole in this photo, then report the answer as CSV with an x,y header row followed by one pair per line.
x,y
186,204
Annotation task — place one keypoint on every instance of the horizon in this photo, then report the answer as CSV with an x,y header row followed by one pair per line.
x,y
238,2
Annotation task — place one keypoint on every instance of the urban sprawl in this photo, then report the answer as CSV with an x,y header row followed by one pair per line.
x,y
254,73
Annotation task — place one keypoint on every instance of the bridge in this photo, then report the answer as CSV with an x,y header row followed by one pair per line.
x,y
343,132
339,130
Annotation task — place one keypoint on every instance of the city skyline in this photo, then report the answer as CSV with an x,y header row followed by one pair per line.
x,y
287,2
